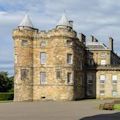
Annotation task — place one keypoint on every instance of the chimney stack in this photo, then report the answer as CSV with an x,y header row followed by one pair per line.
x,y
96,40
111,43
92,38
82,38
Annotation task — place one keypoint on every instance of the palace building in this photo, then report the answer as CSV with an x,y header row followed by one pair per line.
x,y
61,65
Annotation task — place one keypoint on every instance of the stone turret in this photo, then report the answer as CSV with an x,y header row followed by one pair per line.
x,y
64,22
23,43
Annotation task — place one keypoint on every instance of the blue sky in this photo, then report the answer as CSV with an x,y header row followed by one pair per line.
x,y
100,18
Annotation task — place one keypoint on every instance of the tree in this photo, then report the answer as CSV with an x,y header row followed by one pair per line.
x,y
6,83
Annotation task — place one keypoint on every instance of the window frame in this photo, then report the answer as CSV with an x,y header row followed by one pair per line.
x,y
69,78
43,59
69,58
24,43
103,63
43,44
114,81
114,91
58,76
42,82
102,93
24,73
102,81
89,78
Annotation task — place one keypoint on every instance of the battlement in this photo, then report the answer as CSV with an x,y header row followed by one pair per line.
x,y
35,33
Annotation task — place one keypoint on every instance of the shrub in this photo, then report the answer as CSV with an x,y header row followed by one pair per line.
x,y
117,107
6,96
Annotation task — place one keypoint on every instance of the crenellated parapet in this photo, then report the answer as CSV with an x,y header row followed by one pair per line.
x,y
24,33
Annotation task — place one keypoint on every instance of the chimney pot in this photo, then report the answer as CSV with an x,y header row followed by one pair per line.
x,y
82,38
111,43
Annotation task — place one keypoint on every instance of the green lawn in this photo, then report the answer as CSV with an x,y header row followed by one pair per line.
x,y
117,107
5,96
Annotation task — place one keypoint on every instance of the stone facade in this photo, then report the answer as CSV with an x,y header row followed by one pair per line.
x,y
58,65
56,44
103,71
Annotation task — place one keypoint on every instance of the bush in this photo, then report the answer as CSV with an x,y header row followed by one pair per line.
x,y
6,96
6,83
117,107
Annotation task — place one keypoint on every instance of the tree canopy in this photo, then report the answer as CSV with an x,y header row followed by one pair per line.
x,y
6,83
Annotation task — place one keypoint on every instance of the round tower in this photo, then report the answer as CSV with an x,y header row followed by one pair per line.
x,y
23,44
62,42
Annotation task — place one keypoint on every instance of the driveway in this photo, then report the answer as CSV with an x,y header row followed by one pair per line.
x,y
50,110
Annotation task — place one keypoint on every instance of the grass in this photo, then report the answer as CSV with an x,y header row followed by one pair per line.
x,y
6,101
5,96
117,107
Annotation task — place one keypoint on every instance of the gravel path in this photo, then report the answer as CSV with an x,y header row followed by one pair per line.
x,y
50,110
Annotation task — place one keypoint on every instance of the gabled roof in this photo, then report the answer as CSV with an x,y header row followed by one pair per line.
x,y
26,22
96,46
63,21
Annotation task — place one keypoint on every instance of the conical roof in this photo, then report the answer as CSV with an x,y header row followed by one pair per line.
x,y
26,22
63,21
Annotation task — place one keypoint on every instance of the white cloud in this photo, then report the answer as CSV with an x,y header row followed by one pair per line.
x,y
98,17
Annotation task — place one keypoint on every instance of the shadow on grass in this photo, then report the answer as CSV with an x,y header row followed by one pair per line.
x,y
114,116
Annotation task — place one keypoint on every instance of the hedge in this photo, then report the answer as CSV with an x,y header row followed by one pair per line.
x,y
6,96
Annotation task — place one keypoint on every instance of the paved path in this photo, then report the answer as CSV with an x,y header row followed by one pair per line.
x,y
74,110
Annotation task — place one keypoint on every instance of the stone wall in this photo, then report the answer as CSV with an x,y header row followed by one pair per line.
x,y
54,44
108,86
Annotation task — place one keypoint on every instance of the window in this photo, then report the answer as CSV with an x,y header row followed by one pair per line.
x,y
69,42
102,78
89,79
81,80
43,78
89,84
24,43
114,93
103,55
69,58
24,74
89,90
90,55
81,65
42,58
114,79
102,92
43,44
103,62
58,74
90,62
69,77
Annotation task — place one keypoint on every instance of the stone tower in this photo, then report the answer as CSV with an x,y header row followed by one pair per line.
x,y
23,43
48,65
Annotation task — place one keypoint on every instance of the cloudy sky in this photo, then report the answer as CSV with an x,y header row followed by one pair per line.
x,y
100,18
